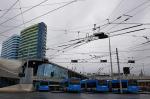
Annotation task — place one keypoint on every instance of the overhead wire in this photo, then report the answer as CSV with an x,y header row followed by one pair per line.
x,y
116,8
141,44
110,36
75,28
23,12
128,32
119,17
139,59
39,16
70,45
78,27
128,16
124,15
25,7
82,39
133,16
129,51
106,19
137,7
125,28
132,23
9,9
131,31
105,25
80,42
95,53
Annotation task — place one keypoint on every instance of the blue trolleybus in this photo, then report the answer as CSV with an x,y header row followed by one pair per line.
x,y
115,86
102,86
42,85
128,86
90,85
71,85
133,86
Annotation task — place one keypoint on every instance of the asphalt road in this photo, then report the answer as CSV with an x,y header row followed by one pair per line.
x,y
48,95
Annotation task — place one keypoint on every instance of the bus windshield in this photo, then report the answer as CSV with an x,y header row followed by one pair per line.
x,y
75,82
132,83
65,84
44,83
124,84
102,82
91,84
117,85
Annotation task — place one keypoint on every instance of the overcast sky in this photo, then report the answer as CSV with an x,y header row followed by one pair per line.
x,y
64,23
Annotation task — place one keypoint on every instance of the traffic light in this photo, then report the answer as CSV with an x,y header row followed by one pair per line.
x,y
101,35
103,61
126,70
74,61
131,61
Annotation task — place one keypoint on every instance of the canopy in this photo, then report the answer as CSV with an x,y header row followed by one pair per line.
x,y
10,65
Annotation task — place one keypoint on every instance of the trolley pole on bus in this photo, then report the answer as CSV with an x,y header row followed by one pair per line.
x,y
119,70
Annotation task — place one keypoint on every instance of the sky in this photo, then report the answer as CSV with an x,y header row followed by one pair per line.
x,y
63,25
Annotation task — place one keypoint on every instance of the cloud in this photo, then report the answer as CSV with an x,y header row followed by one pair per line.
x,y
80,16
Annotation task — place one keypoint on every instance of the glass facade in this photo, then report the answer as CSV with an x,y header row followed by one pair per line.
x,y
50,70
33,42
10,47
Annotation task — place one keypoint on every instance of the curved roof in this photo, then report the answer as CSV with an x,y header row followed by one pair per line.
x,y
10,65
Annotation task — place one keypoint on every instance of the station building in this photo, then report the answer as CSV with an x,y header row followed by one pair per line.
x,y
44,68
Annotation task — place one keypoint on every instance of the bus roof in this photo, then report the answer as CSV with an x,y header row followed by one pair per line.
x,y
117,81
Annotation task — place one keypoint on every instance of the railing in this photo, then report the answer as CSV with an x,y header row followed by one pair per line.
x,y
125,77
47,78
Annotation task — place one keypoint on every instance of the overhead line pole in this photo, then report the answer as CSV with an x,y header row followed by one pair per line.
x,y
119,71
110,54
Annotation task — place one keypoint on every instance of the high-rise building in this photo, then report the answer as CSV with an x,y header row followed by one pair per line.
x,y
10,47
33,42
